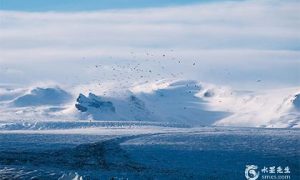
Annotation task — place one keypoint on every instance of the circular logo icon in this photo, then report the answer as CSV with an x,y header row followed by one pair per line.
x,y
251,172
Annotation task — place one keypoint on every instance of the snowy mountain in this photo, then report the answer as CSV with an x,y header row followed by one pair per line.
x,y
169,101
175,102
193,103
43,96
276,108
33,103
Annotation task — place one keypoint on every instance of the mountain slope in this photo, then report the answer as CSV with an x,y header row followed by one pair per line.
x,y
277,108
42,96
177,102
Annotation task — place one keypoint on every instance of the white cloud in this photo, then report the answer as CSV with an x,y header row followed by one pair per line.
x,y
242,34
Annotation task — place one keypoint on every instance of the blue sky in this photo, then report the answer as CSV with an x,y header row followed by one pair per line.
x,y
86,5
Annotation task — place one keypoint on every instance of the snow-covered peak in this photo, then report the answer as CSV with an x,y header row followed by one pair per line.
x,y
168,101
42,96
94,102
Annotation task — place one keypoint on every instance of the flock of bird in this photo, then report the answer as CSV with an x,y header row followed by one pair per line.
x,y
143,70
137,68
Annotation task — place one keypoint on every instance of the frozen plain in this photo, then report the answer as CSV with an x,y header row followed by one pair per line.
x,y
135,150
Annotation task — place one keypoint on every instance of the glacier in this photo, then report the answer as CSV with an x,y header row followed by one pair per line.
x,y
171,129
145,151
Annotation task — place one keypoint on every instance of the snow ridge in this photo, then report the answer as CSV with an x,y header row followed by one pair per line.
x,y
168,101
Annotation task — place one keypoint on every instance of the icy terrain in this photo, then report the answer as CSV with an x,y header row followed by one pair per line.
x,y
164,130
168,101
145,151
